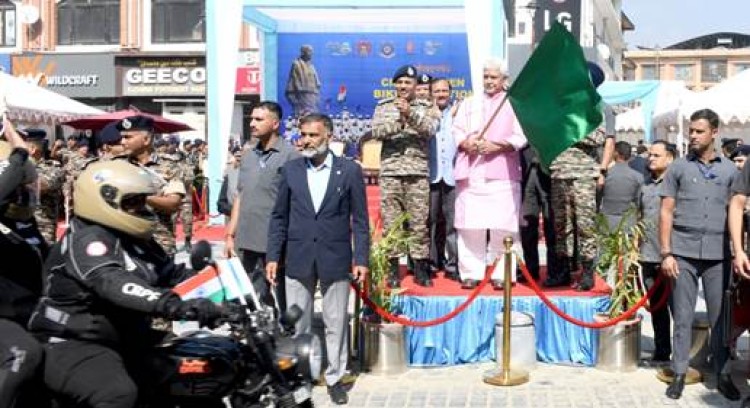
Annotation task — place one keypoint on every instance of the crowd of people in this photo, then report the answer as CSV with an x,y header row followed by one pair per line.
x,y
297,218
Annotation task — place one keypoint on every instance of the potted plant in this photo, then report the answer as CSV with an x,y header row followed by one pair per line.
x,y
383,342
618,264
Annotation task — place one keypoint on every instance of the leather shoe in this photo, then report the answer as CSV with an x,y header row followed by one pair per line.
x,y
497,284
338,394
674,391
556,280
727,388
469,284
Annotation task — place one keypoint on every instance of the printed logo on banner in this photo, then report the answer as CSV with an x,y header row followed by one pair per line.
x,y
431,47
364,48
339,49
387,50
411,48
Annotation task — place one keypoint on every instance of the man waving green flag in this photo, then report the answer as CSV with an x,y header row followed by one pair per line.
x,y
553,97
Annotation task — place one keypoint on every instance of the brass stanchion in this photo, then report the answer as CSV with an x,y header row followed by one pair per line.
x,y
507,376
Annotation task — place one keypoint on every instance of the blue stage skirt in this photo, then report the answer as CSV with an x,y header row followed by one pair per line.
x,y
470,336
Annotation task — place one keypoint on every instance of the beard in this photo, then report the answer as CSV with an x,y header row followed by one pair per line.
x,y
315,151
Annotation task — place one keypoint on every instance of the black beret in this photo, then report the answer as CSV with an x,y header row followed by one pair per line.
x,y
160,142
137,122
198,142
109,135
406,71
174,140
424,79
33,134
727,140
82,142
596,73
741,150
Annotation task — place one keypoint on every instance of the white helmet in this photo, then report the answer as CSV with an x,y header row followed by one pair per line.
x,y
113,193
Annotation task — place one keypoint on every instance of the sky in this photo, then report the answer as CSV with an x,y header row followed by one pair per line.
x,y
665,22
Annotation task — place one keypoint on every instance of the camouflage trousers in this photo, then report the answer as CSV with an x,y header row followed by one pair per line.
x,y
164,235
574,209
409,194
186,213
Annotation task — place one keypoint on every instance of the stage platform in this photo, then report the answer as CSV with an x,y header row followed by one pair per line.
x,y
470,336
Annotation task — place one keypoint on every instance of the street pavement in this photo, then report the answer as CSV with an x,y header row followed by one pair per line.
x,y
550,385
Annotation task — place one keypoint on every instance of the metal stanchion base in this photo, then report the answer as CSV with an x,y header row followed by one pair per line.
x,y
512,377
666,375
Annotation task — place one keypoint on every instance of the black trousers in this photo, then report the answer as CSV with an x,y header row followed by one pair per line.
x,y
255,266
89,374
660,319
443,250
530,244
20,357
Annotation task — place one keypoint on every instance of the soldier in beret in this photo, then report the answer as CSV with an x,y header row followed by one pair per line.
x,y
50,180
422,91
108,142
405,124
138,143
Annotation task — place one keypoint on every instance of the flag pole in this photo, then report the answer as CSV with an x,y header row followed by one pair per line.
x,y
494,115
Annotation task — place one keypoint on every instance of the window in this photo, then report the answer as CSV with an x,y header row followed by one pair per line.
x,y
628,74
7,24
684,72
648,71
178,21
713,70
521,28
88,22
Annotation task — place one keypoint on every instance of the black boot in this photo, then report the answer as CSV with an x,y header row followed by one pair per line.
x,y
587,276
674,391
394,278
561,276
422,273
727,388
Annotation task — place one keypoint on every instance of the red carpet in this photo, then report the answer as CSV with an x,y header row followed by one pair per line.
x,y
448,287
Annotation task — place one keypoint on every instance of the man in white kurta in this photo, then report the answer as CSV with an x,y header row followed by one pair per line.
x,y
488,178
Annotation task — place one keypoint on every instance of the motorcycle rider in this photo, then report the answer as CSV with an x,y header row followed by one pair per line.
x,y
21,249
107,277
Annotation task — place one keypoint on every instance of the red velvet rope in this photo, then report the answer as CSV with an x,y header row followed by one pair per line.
x,y
434,322
577,322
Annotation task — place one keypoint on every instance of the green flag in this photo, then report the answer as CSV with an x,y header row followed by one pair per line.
x,y
553,97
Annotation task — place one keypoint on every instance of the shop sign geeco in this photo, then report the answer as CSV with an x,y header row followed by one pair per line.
x,y
165,77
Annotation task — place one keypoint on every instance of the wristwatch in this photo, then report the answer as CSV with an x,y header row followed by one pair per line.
x,y
665,255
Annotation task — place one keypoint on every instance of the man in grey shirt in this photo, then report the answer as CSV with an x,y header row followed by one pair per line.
x,y
661,155
622,187
693,237
257,187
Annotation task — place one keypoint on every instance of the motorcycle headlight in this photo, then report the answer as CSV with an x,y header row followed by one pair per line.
x,y
307,351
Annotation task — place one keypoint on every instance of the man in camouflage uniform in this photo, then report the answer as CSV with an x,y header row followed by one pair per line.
x,y
188,174
137,139
574,176
405,125
50,178
74,163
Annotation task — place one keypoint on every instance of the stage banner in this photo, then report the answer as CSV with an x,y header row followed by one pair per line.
x,y
346,74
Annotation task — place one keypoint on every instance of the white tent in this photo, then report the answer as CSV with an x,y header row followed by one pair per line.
x,y
669,100
26,102
729,99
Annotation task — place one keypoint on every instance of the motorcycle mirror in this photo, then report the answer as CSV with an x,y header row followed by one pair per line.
x,y
200,256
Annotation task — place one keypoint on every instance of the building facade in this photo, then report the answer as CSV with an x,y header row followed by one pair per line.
x,y
701,62
597,24
114,54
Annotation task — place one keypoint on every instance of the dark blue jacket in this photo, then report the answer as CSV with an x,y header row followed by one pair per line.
x,y
322,239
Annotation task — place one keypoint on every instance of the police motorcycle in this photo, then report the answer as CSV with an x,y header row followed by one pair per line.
x,y
258,364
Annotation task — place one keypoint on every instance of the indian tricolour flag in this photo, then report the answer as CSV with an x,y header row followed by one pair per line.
x,y
225,282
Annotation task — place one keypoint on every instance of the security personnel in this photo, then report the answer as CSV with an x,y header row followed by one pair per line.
x,y
107,279
51,178
188,175
137,140
405,124
108,142
21,249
